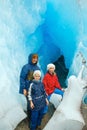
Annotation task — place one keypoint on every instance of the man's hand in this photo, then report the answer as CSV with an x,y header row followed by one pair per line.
x,y
25,92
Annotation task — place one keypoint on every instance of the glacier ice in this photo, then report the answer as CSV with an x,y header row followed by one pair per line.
x,y
16,25
50,28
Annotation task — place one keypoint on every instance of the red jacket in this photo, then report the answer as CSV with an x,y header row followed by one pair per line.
x,y
50,83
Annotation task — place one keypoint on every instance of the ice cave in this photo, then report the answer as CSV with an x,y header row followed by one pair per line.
x,y
50,28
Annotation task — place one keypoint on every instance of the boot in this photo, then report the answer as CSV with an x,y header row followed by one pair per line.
x,y
38,128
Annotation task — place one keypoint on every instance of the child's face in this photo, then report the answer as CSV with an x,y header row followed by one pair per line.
x,y
51,70
37,77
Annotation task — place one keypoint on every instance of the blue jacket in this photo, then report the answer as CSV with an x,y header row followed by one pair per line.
x,y
38,95
26,75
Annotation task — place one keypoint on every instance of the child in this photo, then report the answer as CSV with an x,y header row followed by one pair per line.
x,y
38,100
51,82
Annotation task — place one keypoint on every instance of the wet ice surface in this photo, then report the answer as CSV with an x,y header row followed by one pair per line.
x,y
64,124
70,125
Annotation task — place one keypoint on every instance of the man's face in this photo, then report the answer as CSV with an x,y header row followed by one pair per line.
x,y
34,60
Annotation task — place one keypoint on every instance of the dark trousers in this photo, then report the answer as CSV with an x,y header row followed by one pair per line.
x,y
36,118
28,111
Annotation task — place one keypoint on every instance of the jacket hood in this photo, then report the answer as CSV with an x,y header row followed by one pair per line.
x,y
30,58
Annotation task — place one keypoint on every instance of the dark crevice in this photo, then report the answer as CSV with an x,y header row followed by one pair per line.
x,y
61,70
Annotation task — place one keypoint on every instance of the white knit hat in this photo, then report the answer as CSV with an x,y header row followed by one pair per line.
x,y
50,66
37,72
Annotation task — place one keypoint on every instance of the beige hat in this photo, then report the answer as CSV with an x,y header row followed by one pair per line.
x,y
37,72
50,66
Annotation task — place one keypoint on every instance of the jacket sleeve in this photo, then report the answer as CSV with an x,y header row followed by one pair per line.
x,y
29,92
23,76
57,84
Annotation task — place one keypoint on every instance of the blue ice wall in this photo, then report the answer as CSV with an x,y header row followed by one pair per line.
x,y
49,28
60,29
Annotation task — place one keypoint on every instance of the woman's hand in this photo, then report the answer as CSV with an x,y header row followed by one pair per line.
x,y
47,102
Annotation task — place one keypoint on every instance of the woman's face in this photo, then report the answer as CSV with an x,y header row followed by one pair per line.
x,y
51,70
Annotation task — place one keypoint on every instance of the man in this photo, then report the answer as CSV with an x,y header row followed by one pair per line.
x,y
26,77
